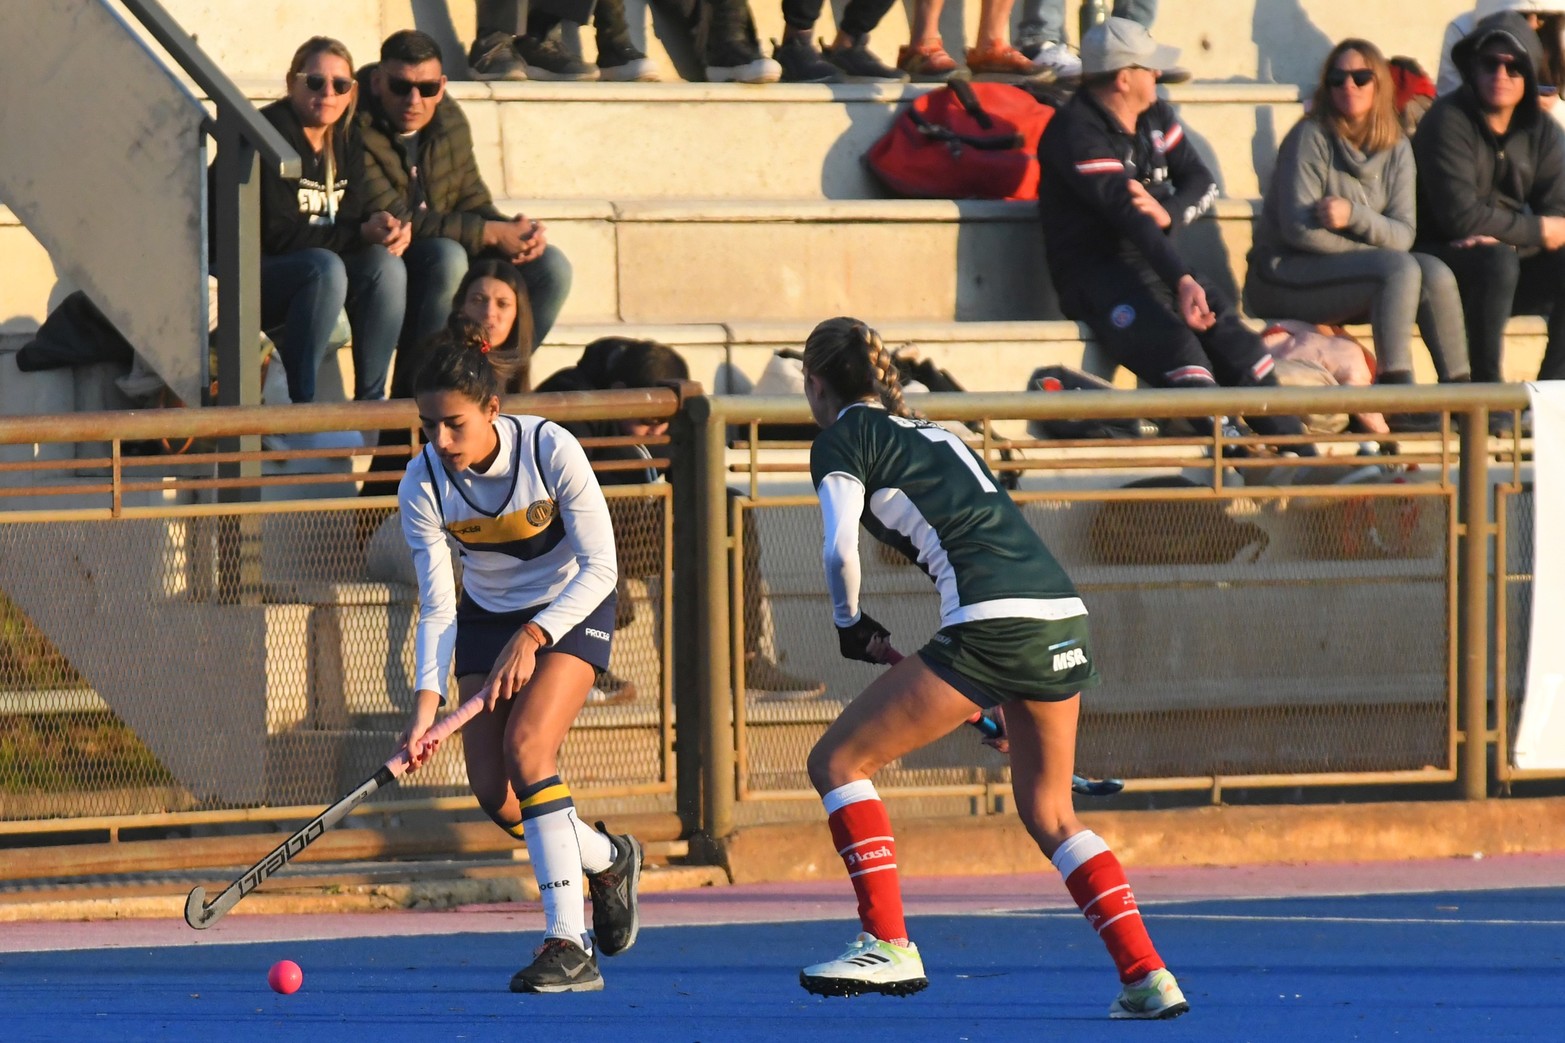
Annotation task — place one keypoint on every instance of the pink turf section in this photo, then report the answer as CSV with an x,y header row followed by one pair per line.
x,y
823,900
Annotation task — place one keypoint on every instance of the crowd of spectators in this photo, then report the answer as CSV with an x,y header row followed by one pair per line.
x,y
1455,230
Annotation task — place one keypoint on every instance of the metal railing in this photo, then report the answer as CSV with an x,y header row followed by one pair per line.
x,y
1431,565
296,608
244,140
1446,736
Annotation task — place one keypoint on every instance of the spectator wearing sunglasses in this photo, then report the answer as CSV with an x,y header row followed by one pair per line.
x,y
322,245
1491,193
1449,77
1338,222
1545,17
420,165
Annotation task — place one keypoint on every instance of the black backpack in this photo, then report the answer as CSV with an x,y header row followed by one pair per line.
x,y
75,333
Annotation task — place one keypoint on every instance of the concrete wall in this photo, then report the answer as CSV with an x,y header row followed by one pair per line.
x,y
111,182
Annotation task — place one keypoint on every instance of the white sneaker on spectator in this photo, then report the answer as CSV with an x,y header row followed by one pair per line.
x,y
739,61
619,61
1056,58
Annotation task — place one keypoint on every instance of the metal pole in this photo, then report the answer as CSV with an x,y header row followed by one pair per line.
x,y
237,223
1472,599
689,707
713,623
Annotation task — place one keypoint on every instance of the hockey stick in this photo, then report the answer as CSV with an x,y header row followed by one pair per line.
x,y
992,729
201,915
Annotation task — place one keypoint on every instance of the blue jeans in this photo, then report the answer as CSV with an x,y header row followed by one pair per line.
x,y
548,279
302,293
435,270
1043,21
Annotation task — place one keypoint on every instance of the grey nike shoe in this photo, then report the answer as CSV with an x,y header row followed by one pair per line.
x,y
547,60
494,57
858,64
616,918
559,965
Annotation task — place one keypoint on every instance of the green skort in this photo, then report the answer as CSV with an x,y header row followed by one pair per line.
x,y
996,661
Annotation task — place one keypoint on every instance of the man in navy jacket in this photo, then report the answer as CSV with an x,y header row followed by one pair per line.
x,y
1119,182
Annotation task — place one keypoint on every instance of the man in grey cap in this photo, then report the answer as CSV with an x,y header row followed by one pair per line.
x,y
1119,183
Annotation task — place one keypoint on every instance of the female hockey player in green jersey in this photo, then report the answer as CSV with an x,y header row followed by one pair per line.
x,y
1013,634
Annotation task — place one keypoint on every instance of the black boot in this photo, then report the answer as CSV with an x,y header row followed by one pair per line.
x,y
619,60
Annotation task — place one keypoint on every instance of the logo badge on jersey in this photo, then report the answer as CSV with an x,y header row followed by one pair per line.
x,y
540,513
1122,316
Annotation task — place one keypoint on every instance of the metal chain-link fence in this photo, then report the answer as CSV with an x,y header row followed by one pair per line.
x,y
163,653
135,680
1233,639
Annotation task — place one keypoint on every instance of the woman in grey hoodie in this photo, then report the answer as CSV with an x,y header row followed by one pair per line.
x,y
1339,219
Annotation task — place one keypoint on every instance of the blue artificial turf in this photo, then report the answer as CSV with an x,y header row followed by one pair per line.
x,y
1449,966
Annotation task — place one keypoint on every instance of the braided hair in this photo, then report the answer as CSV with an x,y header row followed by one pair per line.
x,y
850,357
460,359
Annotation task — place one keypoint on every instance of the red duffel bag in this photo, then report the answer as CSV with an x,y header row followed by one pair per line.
x,y
964,141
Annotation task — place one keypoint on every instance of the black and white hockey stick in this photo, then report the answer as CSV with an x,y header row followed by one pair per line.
x,y
201,915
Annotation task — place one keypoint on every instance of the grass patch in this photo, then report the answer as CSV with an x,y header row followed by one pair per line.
x,y
59,753
28,659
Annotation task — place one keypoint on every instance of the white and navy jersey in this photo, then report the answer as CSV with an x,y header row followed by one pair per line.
x,y
532,530
918,489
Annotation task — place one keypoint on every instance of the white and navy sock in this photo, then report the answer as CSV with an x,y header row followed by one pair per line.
x,y
597,850
549,827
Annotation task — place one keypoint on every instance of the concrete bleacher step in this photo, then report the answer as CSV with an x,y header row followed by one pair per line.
x,y
668,261
354,639
783,141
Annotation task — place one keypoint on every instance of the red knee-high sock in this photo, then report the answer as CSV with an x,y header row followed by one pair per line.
x,y
1097,882
861,830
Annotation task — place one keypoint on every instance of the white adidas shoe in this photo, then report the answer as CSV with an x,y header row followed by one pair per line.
x,y
1058,59
869,965
1153,997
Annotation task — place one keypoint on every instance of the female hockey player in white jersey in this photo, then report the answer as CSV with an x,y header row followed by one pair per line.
x,y
518,497
1013,634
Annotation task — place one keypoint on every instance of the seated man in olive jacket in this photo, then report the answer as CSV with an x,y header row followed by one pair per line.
x,y
419,166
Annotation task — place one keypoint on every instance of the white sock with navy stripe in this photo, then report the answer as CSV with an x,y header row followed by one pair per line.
x,y
548,814
597,850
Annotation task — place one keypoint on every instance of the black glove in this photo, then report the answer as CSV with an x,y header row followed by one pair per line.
x,y
854,640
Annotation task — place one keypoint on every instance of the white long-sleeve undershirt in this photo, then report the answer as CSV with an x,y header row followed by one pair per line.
x,y
842,505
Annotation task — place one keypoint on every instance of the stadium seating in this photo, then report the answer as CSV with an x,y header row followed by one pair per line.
x,y
726,219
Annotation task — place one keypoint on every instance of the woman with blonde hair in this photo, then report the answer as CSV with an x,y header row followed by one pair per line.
x,y
320,249
1013,635
1338,221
